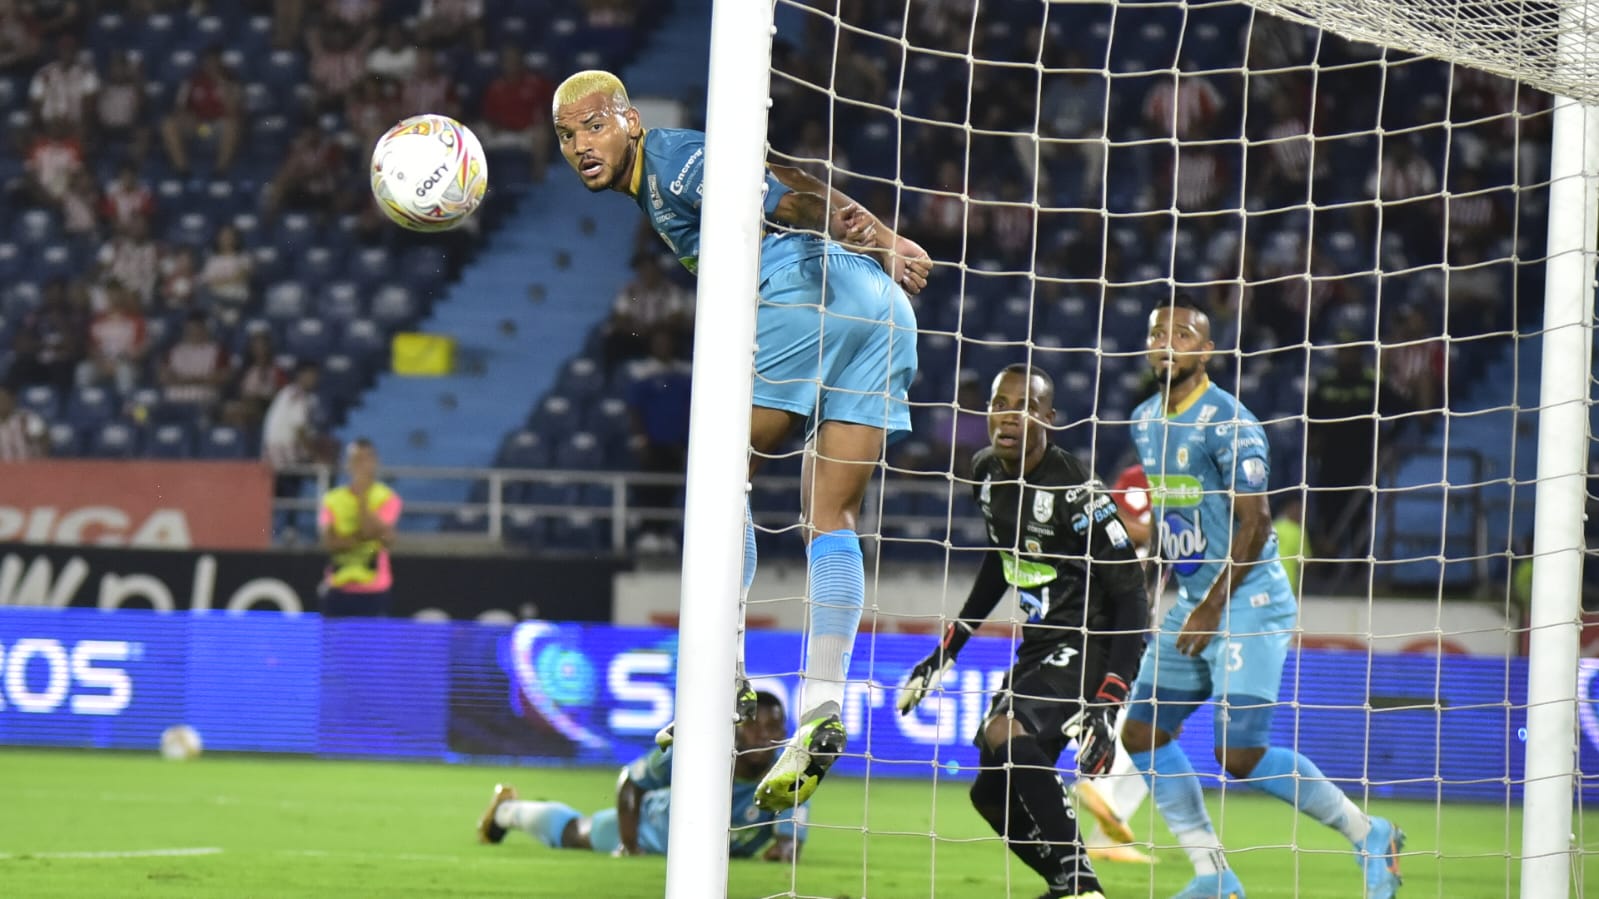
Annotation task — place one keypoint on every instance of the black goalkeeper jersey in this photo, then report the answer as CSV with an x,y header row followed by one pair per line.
x,y
1059,543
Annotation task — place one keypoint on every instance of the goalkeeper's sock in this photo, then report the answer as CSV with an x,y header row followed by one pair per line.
x,y
1297,781
837,595
750,558
544,821
1182,803
1043,827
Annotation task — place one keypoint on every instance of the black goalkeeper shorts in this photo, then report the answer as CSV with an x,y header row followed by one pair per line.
x,y
1045,694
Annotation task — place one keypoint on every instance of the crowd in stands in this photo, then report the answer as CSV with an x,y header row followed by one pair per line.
x,y
189,195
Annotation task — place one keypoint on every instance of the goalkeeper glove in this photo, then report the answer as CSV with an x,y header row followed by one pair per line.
x,y
927,674
1094,727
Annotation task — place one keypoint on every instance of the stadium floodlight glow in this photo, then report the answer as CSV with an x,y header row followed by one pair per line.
x,y
713,533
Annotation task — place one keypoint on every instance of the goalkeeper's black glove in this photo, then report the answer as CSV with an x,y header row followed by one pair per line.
x,y
927,674
1094,727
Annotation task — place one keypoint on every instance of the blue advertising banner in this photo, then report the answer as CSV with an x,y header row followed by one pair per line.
x,y
562,693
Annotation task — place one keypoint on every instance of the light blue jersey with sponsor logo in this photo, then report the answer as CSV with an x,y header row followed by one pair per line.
x,y
1196,459
671,187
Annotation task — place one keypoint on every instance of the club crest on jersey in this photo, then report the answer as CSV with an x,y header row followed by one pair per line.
x,y
1043,506
1182,457
1033,546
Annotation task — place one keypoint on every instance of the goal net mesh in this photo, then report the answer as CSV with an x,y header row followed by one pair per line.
x,y
1357,192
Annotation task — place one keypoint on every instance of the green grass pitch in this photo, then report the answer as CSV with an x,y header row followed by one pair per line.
x,y
74,823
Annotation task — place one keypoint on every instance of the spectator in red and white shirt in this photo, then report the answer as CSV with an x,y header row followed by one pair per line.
x,y
516,111
178,278
1189,102
208,101
395,58
430,89
118,342
133,259
62,89
23,434
54,159
127,198
225,276
288,435
196,367
449,23
338,62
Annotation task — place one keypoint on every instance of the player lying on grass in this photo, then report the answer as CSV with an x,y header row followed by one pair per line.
x,y
1060,546
851,386
1227,637
638,824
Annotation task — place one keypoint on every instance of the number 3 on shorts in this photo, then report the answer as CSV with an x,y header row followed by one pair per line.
x,y
1235,656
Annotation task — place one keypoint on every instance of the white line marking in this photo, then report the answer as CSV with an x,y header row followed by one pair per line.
x,y
134,853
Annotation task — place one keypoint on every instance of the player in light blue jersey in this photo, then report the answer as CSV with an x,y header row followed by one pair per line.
x,y
848,386
1228,636
638,823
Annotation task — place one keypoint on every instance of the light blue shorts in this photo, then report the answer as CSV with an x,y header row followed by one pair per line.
x,y
1242,668
836,341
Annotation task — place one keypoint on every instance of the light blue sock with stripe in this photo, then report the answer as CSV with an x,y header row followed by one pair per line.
x,y
544,821
750,558
837,596
1182,803
1310,791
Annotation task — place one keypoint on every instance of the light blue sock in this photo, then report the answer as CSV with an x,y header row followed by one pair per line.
x,y
544,821
838,594
1182,803
1310,791
604,835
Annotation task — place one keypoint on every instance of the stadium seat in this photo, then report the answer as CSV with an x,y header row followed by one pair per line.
x,y
222,442
581,451
318,265
582,380
285,300
308,339
52,262
555,417
65,441
370,266
393,306
90,407
341,378
42,400
114,440
34,227
192,229
170,441
12,261
339,302
523,449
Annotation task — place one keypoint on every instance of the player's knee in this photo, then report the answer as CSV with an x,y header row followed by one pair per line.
x,y
988,797
997,733
1239,762
1140,736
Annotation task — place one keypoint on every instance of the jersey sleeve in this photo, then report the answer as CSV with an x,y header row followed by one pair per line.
x,y
1114,569
653,770
1241,454
773,192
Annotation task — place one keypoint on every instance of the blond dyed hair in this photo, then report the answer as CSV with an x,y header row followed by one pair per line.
x,y
591,81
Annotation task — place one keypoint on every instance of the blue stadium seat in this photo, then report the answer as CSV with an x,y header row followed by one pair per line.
x,y
555,417
284,69
222,442
523,449
176,66
267,264
341,378
393,306
363,339
114,440
339,302
52,262
296,231
582,380
308,339
424,265
171,441
607,420
34,227
525,527
284,301
90,407
192,229
12,261
42,400
65,441
370,266
318,265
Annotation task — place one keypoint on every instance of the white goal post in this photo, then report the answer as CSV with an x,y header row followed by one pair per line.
x,y
1553,46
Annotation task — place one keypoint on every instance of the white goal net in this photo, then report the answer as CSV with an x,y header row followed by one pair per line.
x,y
1357,192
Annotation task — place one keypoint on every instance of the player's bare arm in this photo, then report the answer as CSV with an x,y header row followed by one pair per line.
x,y
1253,514
813,206
629,796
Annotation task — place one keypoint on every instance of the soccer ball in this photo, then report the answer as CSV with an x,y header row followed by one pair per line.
x,y
180,742
429,173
